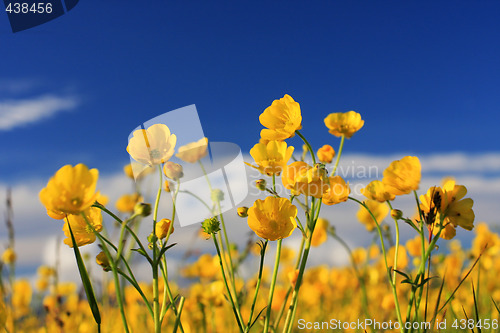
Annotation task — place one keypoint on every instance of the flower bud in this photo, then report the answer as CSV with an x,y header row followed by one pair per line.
x,y
261,184
242,211
217,195
173,170
9,256
142,209
396,214
103,261
211,225
162,228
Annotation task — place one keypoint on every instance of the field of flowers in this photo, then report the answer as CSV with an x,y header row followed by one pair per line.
x,y
429,283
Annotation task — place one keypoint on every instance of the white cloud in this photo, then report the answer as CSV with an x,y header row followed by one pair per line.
x,y
14,113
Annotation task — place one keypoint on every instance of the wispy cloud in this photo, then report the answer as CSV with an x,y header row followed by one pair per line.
x,y
15,113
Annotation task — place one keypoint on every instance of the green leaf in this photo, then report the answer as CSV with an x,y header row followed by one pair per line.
x,y
85,279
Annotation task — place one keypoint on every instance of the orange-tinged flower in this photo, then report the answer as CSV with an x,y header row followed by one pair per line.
x,y
127,202
376,190
338,191
282,119
344,123
325,154
272,218
272,157
81,230
320,235
152,146
70,191
194,151
301,178
402,176
379,211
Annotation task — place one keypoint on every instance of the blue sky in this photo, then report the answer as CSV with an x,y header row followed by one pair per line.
x,y
425,76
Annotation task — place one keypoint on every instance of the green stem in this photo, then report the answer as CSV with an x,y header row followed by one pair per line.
x,y
156,301
308,146
339,153
273,284
257,287
396,250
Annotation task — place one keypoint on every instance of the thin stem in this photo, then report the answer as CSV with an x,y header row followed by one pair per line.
x,y
156,301
308,146
273,284
259,280
339,153
396,251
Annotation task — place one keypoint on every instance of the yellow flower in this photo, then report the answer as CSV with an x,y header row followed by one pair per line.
x,y
346,124
194,151
402,257
402,176
71,190
338,191
379,211
320,235
173,171
102,260
325,154
272,157
242,211
301,178
102,199
162,228
81,230
126,203
152,146
42,284
376,190
282,119
21,297
46,271
9,256
272,218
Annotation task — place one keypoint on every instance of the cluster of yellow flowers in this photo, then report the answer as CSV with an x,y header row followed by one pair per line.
x,y
380,281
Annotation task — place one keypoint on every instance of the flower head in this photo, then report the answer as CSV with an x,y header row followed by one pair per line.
x,y
282,119
376,190
344,124
320,234
325,154
402,176
9,256
272,218
301,178
338,191
272,157
194,151
126,203
70,191
379,211
152,146
81,230
173,170
162,228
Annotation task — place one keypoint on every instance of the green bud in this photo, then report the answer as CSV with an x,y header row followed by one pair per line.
x,y
217,195
396,214
261,184
142,209
211,225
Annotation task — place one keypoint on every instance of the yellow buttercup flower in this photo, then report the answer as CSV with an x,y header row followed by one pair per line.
x,y
173,170
9,256
127,202
272,157
152,146
81,230
70,191
338,191
21,297
402,176
162,228
344,124
301,178
325,154
376,190
282,119
379,211
194,151
320,235
272,218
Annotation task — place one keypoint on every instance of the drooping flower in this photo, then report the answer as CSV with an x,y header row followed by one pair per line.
x,y
272,218
194,151
376,190
81,230
379,211
402,176
272,157
325,154
320,234
152,146
70,191
338,191
344,123
301,178
282,119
